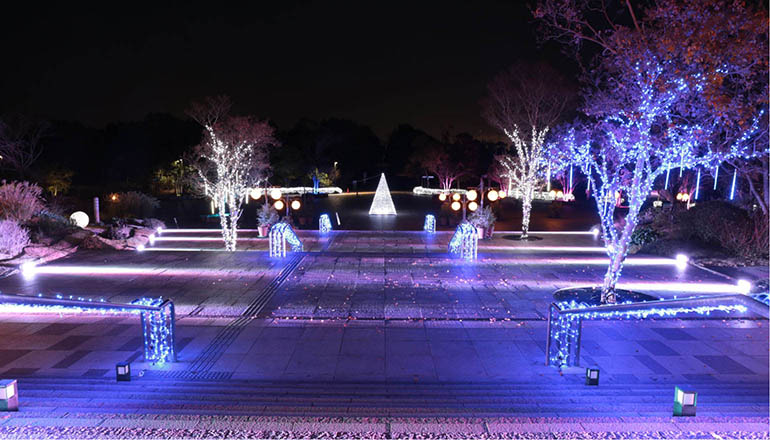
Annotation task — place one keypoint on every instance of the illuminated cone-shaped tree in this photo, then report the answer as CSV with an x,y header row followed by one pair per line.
x,y
231,159
382,204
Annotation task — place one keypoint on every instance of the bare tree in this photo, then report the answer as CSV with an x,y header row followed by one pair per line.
x,y
20,144
231,159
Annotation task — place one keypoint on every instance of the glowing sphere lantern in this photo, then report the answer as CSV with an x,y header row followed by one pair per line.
x,y
456,197
492,195
442,197
502,194
278,205
456,206
256,193
472,206
295,205
559,194
79,219
471,195
275,193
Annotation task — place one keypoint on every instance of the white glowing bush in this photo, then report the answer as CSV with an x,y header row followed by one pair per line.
x,y
13,238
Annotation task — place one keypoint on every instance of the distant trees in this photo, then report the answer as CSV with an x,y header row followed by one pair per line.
x,y
231,159
20,144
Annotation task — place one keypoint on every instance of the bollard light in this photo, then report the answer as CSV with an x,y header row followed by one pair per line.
x,y
140,248
684,402
595,231
123,372
592,376
9,395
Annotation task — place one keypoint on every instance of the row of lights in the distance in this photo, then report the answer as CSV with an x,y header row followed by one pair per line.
x,y
471,196
276,195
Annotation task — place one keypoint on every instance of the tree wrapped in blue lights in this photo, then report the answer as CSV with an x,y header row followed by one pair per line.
x,y
465,241
639,132
667,92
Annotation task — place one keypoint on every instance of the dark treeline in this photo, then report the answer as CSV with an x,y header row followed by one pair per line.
x,y
137,155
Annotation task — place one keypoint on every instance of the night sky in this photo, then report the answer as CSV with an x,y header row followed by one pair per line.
x,y
378,63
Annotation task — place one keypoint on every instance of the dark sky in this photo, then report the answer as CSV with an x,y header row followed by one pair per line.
x,y
378,63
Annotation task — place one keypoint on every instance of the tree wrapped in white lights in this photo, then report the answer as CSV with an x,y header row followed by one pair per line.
x,y
231,160
530,97
525,168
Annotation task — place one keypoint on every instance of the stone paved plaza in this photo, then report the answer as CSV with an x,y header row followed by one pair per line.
x,y
372,324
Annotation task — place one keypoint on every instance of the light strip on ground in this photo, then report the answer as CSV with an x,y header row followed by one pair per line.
x,y
187,238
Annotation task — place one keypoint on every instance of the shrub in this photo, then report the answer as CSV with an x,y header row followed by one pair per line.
x,y
643,235
13,238
482,218
135,204
735,230
153,223
266,216
50,225
118,230
19,201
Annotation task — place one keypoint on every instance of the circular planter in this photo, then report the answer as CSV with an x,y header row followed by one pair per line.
x,y
592,296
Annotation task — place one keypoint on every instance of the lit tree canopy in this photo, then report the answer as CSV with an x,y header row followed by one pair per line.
x,y
232,159
656,99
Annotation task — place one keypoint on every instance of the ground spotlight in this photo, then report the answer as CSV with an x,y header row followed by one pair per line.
x,y
152,239
159,229
594,231
592,376
684,402
681,261
744,286
28,270
140,248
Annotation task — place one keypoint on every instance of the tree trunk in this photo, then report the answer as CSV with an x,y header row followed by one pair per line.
x,y
526,209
